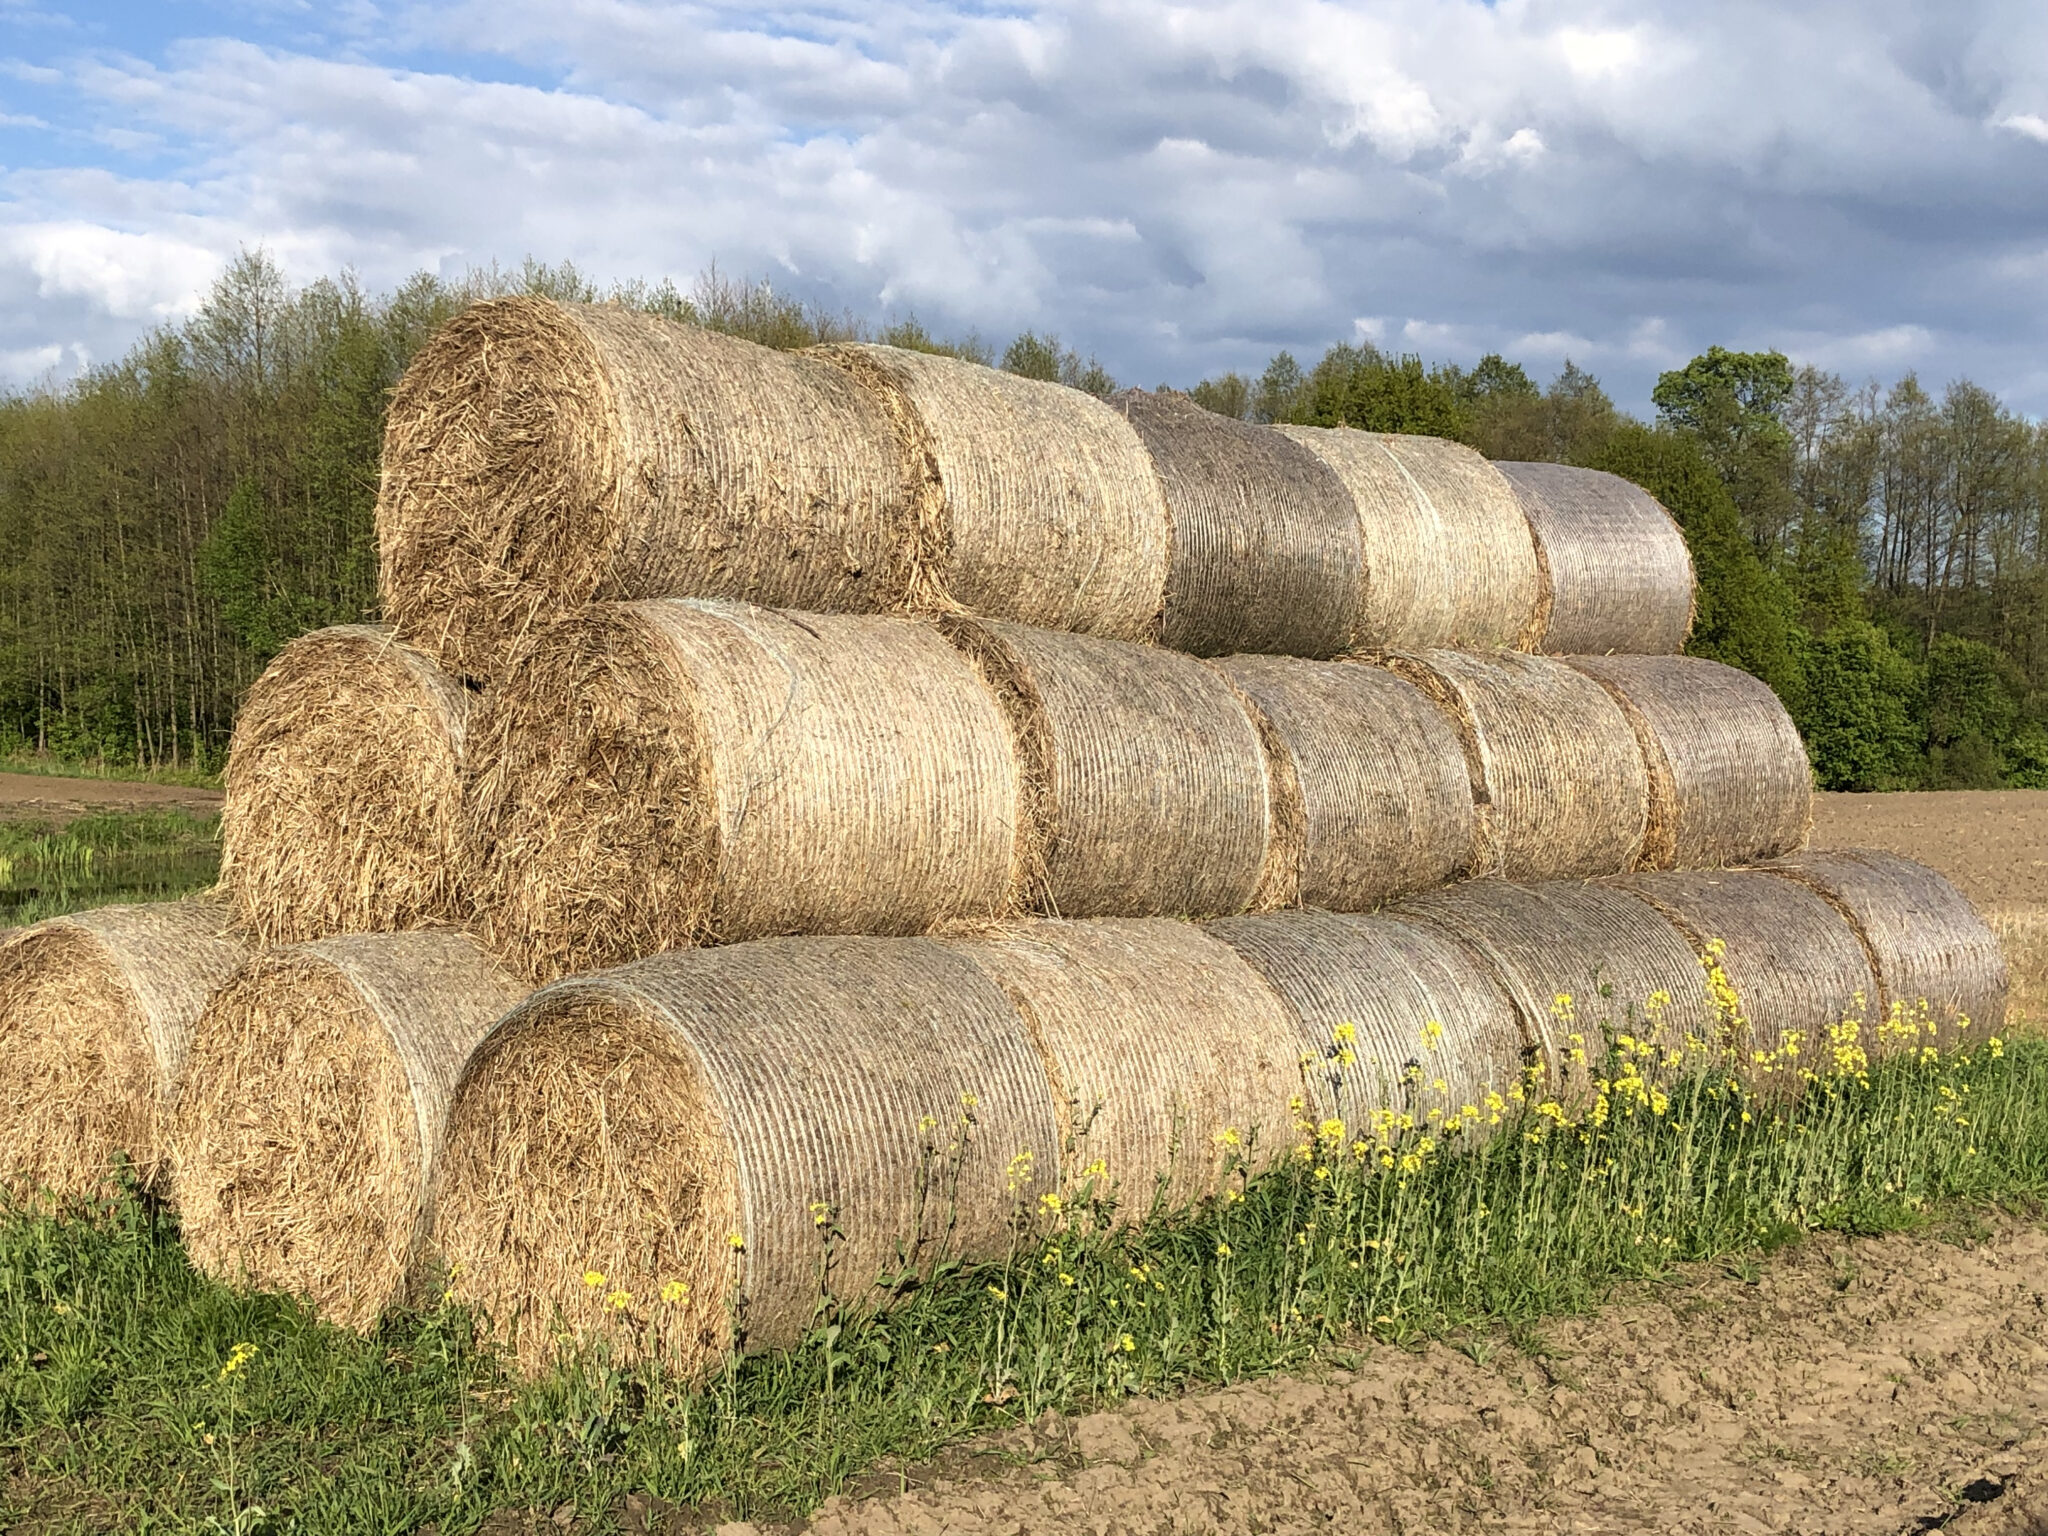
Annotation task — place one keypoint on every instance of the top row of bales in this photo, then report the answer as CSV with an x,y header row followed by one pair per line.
x,y
540,456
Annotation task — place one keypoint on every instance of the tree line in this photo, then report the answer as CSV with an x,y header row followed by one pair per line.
x,y
169,521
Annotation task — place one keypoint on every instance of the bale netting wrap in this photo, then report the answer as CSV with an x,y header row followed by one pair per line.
x,y
96,1015
1556,771
1037,502
538,456
1730,781
1448,556
1146,783
1616,573
656,1154
667,773
1380,775
1793,968
1395,1016
314,1105
1157,1039
1265,554
344,791
1942,977
1586,966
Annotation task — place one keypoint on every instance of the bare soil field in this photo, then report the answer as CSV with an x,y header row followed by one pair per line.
x,y
1880,1386
50,798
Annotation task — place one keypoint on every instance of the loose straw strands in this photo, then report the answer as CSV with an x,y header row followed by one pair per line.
x,y
1378,771
1940,972
96,1014
538,456
1449,560
1729,777
1783,966
1616,573
344,791
682,1150
1146,780
315,1101
1266,544
1162,1047
1556,770
1037,502
1585,965
666,773
1396,1017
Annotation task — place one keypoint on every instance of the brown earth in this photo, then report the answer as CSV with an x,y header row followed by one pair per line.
x,y
46,797
1879,1386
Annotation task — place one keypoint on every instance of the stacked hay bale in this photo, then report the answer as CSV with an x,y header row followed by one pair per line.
x,y
540,456
302,1148
892,870
344,791
96,1018
1614,572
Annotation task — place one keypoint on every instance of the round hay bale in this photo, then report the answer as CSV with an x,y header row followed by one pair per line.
x,y
669,773
1942,978
344,791
1147,791
1615,570
1038,503
1157,1039
1431,1029
315,1100
538,456
1585,965
1795,965
1381,778
1265,554
96,1011
1729,777
841,1108
1448,556
1556,771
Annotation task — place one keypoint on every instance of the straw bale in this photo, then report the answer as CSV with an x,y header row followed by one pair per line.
x,y
1038,501
538,456
1585,965
1149,791
1265,553
1156,1038
1729,777
344,791
1796,966
1380,773
1435,1030
845,1108
1929,947
1616,573
2022,930
1448,556
667,773
1557,774
315,1100
96,1011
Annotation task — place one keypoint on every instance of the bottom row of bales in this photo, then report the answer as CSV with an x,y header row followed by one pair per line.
x,y
346,1118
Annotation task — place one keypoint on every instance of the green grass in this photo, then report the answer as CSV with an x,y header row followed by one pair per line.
x,y
97,860
122,1405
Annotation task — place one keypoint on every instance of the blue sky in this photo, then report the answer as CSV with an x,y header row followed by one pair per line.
x,y
1180,188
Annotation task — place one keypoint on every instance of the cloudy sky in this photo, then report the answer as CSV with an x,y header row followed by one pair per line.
x,y
1180,188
